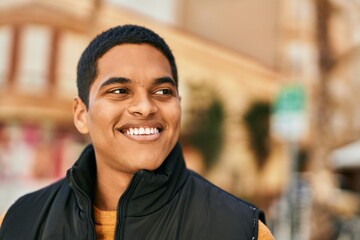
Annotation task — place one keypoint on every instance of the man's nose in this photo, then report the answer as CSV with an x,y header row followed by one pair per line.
x,y
142,105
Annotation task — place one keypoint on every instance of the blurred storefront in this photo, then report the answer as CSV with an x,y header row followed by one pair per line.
x,y
40,43
319,42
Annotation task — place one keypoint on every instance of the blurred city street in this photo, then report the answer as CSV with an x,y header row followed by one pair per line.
x,y
269,98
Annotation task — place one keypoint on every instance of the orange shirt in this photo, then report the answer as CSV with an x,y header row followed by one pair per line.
x,y
2,218
105,222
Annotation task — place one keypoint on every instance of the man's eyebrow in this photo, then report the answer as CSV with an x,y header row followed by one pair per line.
x,y
114,80
162,80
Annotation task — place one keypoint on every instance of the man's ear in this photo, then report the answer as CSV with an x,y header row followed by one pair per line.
x,y
80,113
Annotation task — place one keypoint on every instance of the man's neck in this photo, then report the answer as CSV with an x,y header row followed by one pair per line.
x,y
110,185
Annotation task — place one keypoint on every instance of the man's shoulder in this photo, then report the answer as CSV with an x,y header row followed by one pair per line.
x,y
39,197
211,188
218,196
31,212
209,205
45,190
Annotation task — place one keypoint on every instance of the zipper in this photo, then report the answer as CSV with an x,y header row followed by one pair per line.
x,y
122,205
88,205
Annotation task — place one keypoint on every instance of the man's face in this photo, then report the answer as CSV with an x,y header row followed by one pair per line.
x,y
133,117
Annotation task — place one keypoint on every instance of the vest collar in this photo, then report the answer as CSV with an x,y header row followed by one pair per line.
x,y
148,191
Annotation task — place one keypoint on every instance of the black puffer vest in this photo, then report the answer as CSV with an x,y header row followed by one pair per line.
x,y
169,203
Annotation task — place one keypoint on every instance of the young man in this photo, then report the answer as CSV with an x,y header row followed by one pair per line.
x,y
131,181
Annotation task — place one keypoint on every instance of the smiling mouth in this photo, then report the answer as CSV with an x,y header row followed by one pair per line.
x,y
143,131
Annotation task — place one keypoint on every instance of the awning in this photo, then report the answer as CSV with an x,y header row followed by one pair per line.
x,y
346,157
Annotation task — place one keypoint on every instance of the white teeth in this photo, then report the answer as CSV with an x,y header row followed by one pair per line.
x,y
142,131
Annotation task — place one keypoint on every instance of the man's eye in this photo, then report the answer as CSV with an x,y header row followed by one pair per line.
x,y
164,92
119,91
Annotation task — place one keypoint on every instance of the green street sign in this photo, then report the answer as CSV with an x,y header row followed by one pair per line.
x,y
291,98
288,112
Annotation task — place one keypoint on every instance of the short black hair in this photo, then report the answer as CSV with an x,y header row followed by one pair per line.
x,y
134,34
